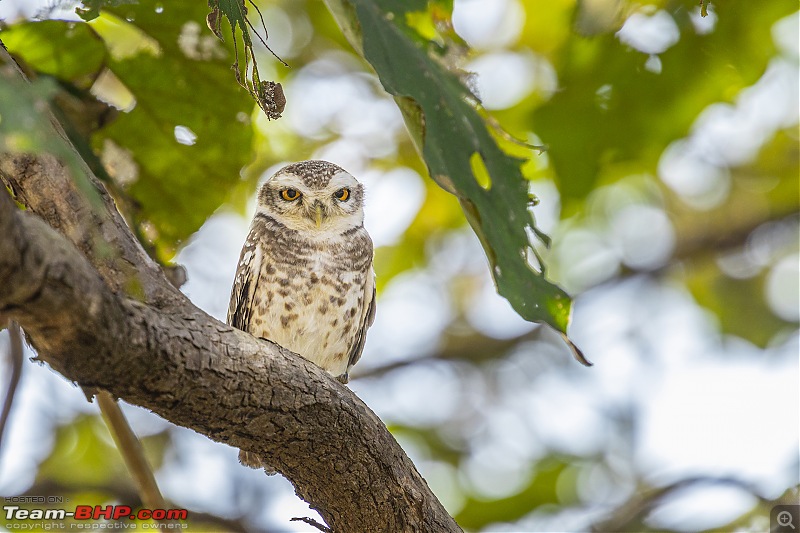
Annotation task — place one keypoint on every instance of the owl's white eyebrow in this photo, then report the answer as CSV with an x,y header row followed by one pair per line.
x,y
341,179
292,181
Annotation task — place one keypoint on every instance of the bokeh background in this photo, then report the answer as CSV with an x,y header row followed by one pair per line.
x,y
670,189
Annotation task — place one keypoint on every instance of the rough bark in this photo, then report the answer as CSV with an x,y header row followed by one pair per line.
x,y
100,312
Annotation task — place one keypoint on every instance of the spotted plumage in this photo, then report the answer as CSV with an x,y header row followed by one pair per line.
x,y
305,278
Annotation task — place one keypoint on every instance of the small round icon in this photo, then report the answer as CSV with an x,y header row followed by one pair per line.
x,y
785,519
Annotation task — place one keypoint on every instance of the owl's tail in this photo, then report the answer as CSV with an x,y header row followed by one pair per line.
x,y
254,461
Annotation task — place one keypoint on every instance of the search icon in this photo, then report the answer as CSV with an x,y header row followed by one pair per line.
x,y
785,519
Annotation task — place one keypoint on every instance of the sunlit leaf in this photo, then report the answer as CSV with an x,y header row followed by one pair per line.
x,y
84,454
66,51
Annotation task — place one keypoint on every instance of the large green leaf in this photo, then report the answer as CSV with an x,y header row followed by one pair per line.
x,y
461,152
187,84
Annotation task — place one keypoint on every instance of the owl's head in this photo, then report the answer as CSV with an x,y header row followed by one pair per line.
x,y
313,196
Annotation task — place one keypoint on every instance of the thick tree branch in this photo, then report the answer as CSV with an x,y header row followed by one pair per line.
x,y
101,313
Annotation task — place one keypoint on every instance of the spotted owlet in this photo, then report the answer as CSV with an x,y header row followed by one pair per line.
x,y
305,279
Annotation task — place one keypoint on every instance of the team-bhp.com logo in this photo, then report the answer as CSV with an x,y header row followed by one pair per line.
x,y
88,512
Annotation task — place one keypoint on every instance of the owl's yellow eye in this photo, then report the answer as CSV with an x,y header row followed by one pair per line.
x,y
290,195
342,194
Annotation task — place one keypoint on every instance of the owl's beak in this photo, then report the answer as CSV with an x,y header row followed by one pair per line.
x,y
319,214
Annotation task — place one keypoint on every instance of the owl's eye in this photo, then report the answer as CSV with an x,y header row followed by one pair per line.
x,y
342,194
290,195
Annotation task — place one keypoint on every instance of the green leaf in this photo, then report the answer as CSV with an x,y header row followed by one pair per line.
x,y
83,454
66,51
189,133
455,139
178,74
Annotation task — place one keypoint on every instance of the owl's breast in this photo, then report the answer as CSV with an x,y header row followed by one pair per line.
x,y
311,306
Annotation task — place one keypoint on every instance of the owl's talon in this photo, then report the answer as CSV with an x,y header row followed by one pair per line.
x,y
343,379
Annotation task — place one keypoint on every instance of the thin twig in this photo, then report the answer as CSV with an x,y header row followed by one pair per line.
x,y
132,452
474,348
263,41
311,522
632,512
15,365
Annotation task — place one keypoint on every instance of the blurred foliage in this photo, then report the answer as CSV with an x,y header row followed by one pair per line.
x,y
634,110
91,8
67,52
25,123
540,490
84,454
608,112
85,468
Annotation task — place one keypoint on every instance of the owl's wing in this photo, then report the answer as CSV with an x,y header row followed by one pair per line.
x,y
367,318
245,282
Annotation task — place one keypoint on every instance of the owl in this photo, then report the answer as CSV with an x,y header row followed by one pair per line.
x,y
305,279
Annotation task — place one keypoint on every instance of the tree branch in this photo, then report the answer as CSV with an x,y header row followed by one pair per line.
x,y
630,516
101,313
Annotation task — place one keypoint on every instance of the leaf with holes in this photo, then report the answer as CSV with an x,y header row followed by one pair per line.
x,y
462,154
